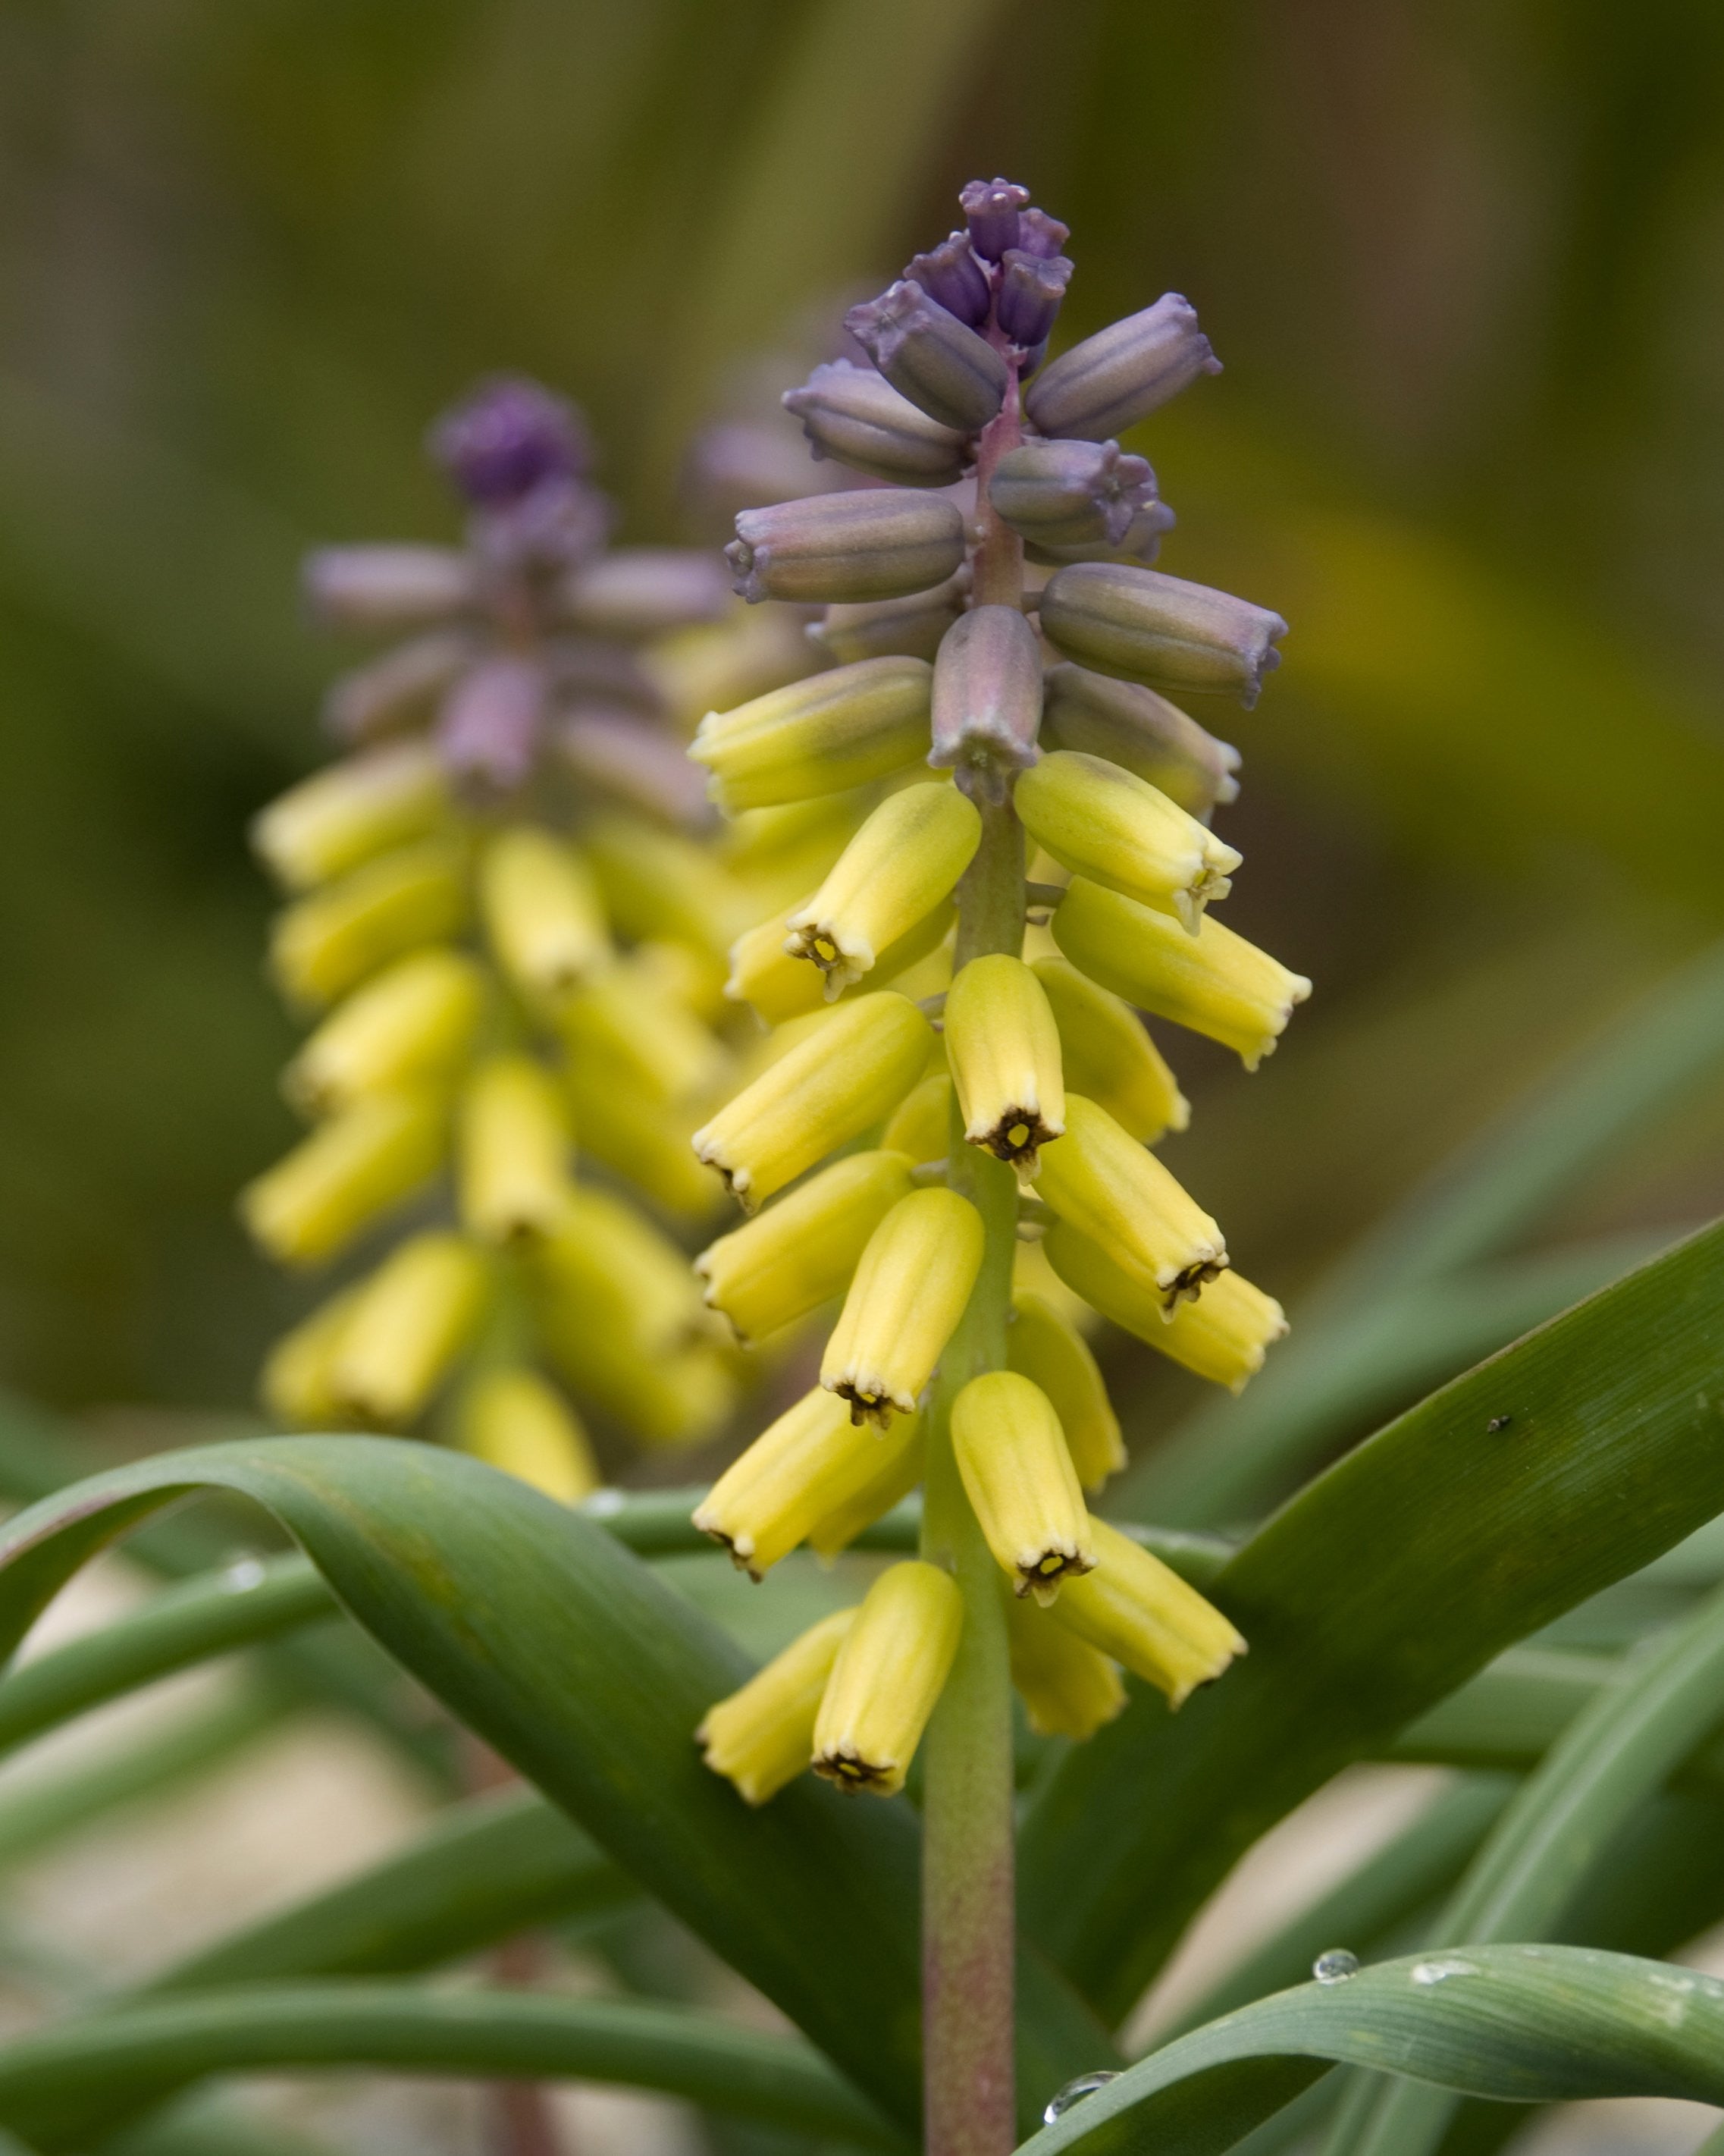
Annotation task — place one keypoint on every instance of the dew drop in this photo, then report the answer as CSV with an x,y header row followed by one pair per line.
x,y
1076,2092
1436,1972
1336,1966
603,1504
240,1578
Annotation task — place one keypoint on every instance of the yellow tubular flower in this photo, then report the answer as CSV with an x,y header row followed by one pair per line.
x,y
1223,1336
837,730
513,1152
543,912
763,1736
295,1383
327,943
899,1470
802,1251
656,1047
1108,1057
659,886
414,1020
921,1124
1106,1185
1003,1047
809,1462
333,821
889,1672
1068,1688
910,1290
778,986
1108,825
604,1269
646,1141
1134,1608
850,1072
1216,983
1041,1346
513,1420
1022,1485
1032,1275
350,1172
898,869
410,1321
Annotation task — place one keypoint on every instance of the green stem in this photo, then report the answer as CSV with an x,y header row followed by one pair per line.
x,y
967,1856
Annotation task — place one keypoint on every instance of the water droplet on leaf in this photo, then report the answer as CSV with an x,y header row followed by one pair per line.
x,y
240,1578
1336,1966
1076,2092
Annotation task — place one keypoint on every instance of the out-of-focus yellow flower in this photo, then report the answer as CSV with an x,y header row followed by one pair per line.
x,y
802,1251
604,1268
1223,1336
1108,1057
654,1046
827,1090
407,1324
346,1175
1108,825
414,1021
890,1671
512,1419
900,867
646,1141
1003,1047
295,1384
1042,1347
1068,1688
513,1151
543,913
329,942
660,886
912,1284
1136,1609
763,1736
334,820
1215,982
1017,1473
1108,1187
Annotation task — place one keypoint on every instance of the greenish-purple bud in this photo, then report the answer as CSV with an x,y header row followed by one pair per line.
x,y
1160,630
914,626
1128,725
1071,494
1113,379
1141,542
1031,288
871,543
954,279
939,362
988,699
855,415
991,210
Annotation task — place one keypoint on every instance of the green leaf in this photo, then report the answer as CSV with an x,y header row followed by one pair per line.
x,y
1521,2024
1386,1584
564,1652
57,2084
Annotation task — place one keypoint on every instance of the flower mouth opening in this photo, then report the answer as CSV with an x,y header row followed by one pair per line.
x,y
822,948
866,1406
733,1546
1187,1285
1017,1137
1041,1574
852,1775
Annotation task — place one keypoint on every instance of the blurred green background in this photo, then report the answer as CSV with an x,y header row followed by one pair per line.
x,y
1465,264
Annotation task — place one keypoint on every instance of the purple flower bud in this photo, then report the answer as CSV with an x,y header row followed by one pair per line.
x,y
555,524
853,414
388,587
1110,380
1071,494
395,689
737,467
487,731
873,543
588,670
939,362
1128,725
1031,289
954,279
1039,233
913,626
988,699
991,210
1160,630
616,750
636,592
500,443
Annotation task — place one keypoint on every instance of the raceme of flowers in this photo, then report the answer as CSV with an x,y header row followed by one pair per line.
x,y
510,944
1053,701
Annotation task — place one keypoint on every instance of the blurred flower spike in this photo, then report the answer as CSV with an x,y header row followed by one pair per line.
x,y
994,831
508,917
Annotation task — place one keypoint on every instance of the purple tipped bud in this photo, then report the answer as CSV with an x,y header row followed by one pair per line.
x,y
636,592
506,437
873,543
853,414
1111,380
488,732
913,626
991,210
988,699
388,587
616,750
1160,630
954,279
1128,725
936,361
1039,233
1071,494
1031,289
396,688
